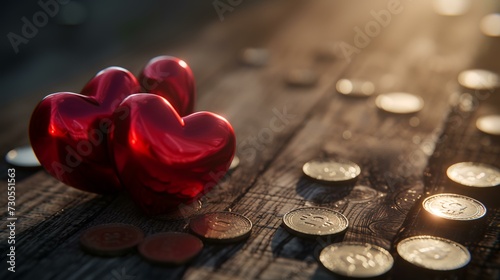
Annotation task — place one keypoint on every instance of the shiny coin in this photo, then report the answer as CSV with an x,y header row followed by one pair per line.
x,y
399,103
256,57
478,79
22,157
315,221
474,174
332,170
490,25
451,7
170,248
454,207
111,239
234,163
223,227
489,124
301,77
357,88
433,253
356,259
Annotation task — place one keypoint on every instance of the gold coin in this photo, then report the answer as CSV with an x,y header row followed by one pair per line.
x,y
332,170
399,102
474,174
489,124
223,227
111,239
434,253
315,221
454,207
170,248
478,79
234,163
356,259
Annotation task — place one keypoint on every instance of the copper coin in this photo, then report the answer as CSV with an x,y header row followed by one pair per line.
x,y
111,239
170,248
223,227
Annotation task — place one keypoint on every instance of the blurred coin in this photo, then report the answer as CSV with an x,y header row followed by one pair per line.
x,y
111,239
223,227
399,102
22,157
451,7
301,77
327,52
357,88
234,163
454,207
489,124
490,25
170,248
356,259
331,170
478,79
315,221
474,174
434,253
256,57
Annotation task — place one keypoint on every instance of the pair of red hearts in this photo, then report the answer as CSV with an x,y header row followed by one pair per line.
x,y
110,136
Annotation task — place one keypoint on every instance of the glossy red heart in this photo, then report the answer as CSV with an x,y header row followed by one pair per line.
x,y
171,78
69,131
164,160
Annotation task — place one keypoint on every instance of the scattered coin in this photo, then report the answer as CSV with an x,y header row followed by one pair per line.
x,y
451,7
356,259
223,227
111,239
490,25
256,57
478,79
434,253
170,248
474,174
301,77
332,170
327,52
22,157
399,102
181,212
315,221
454,207
234,163
489,124
357,88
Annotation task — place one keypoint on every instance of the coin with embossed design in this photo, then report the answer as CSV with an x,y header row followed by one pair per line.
x,y
315,221
474,174
434,253
170,248
356,259
111,239
223,227
332,170
454,207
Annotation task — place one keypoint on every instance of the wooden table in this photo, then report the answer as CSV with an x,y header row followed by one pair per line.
x,y
403,158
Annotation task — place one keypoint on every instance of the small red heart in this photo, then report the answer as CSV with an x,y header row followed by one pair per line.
x,y
171,78
69,131
164,160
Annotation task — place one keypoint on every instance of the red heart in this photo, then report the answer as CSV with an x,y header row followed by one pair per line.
x,y
68,131
164,160
171,78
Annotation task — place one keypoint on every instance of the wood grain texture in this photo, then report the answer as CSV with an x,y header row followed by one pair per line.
x,y
403,158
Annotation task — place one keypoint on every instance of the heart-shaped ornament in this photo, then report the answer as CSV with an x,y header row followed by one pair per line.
x,y
171,78
164,160
69,131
